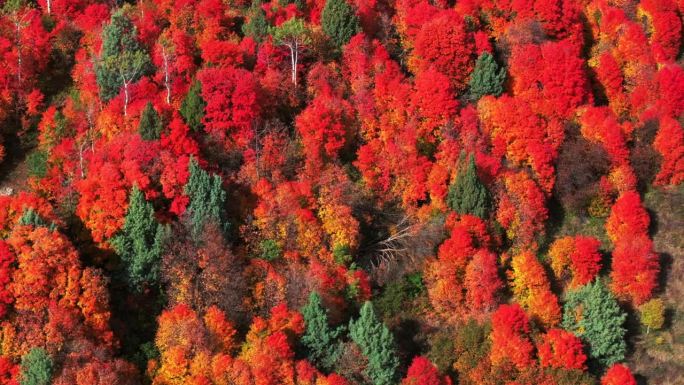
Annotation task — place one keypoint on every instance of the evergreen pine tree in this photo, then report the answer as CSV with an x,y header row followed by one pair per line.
x,y
123,59
150,125
377,344
36,368
257,26
30,217
207,198
487,78
320,340
594,315
140,242
467,195
339,21
192,108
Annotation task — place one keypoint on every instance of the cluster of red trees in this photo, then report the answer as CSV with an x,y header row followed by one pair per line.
x,y
327,168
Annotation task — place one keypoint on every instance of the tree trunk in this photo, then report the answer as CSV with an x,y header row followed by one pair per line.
x,y
125,83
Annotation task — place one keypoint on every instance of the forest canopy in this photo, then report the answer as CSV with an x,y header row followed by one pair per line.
x,y
341,192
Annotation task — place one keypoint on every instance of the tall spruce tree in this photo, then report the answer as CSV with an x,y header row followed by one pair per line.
x,y
207,198
36,368
377,344
30,217
140,243
467,195
123,59
257,26
594,315
487,78
150,126
320,340
192,108
339,21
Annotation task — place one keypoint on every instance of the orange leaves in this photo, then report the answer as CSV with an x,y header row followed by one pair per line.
x,y
577,259
522,136
522,209
187,343
562,350
532,289
510,341
463,280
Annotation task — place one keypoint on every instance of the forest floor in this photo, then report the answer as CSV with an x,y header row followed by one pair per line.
x,y
13,168
658,356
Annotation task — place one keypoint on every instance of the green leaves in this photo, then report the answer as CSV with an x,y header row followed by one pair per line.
x,y
594,315
257,26
207,199
467,195
339,21
487,78
123,59
150,125
192,108
376,343
321,341
291,31
36,368
140,243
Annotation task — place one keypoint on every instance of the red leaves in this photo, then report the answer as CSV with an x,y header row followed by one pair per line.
x,y
577,259
669,142
232,105
423,372
444,43
550,77
627,218
618,374
7,259
510,327
325,126
634,266
561,350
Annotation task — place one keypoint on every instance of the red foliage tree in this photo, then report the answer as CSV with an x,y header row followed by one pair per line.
x,y
231,95
618,374
444,42
510,342
561,350
423,372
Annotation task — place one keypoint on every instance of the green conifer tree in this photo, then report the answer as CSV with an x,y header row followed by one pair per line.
x,y
257,26
594,315
487,78
150,126
192,108
319,339
36,368
123,59
140,243
207,198
339,21
377,344
467,195
30,217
